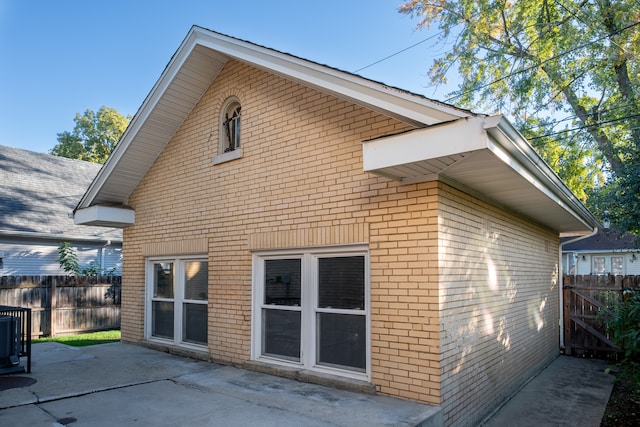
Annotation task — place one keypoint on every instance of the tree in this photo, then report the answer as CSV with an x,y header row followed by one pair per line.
x,y
566,71
93,137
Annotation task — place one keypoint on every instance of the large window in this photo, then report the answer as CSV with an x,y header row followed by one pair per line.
x,y
176,309
311,310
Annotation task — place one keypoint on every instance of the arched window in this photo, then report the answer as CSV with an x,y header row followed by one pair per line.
x,y
230,126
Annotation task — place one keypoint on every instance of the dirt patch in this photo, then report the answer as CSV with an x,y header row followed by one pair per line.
x,y
623,409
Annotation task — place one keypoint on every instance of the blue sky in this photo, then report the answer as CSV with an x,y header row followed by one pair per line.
x,y
59,58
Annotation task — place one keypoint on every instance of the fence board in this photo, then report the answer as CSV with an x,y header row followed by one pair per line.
x,y
63,304
584,298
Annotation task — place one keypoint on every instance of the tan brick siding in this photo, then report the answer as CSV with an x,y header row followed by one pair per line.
x,y
300,183
499,304
404,292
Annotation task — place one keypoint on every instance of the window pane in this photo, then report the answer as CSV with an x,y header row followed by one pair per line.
x,y
598,265
342,340
281,333
616,265
232,126
341,283
162,319
194,323
195,280
163,280
282,282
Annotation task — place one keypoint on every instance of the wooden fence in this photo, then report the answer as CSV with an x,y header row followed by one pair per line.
x,y
584,296
63,304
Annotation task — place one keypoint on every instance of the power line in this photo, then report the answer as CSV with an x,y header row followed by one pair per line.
x,y
574,116
397,53
633,116
524,70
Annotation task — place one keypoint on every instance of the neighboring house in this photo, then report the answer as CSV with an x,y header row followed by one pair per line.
x,y
37,195
606,252
286,216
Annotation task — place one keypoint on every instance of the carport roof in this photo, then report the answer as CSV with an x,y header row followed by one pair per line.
x,y
505,170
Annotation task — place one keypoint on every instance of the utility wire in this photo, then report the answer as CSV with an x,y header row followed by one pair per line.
x,y
574,116
633,116
398,52
524,70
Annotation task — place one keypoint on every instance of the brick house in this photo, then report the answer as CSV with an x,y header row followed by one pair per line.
x,y
346,230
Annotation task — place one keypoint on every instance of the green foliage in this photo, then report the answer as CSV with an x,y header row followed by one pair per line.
x,y
94,135
622,320
68,260
566,72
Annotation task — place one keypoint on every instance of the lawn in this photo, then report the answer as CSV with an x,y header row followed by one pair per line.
x,y
83,340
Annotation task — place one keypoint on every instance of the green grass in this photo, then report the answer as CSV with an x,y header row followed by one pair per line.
x,y
83,340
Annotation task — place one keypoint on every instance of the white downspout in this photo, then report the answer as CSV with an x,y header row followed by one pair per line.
x,y
561,290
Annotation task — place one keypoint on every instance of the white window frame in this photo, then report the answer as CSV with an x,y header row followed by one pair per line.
x,y
309,307
178,300
596,259
223,141
621,260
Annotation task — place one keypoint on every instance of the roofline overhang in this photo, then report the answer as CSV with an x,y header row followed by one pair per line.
x,y
600,251
404,106
58,237
397,156
512,141
105,216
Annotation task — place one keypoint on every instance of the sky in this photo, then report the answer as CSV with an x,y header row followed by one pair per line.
x,y
62,57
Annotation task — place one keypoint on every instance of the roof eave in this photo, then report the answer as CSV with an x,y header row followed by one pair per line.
x,y
508,136
404,106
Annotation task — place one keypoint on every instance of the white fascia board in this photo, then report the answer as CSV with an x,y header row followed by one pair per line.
x,y
147,107
447,139
416,110
104,214
511,147
404,106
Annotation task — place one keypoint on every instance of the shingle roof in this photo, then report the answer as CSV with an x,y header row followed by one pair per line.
x,y
609,240
39,191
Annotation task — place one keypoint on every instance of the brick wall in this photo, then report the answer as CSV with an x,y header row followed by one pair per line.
x,y
499,304
300,183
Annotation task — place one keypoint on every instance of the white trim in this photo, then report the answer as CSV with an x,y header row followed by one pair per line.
x,y
178,300
521,151
461,136
308,307
223,143
104,214
228,156
404,106
377,96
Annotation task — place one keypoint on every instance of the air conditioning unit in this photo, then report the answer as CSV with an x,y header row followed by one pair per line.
x,y
9,341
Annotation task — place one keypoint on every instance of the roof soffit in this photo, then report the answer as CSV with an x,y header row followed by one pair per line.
x,y
194,67
485,157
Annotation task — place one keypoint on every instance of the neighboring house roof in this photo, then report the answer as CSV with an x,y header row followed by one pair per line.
x,y
482,155
38,193
603,241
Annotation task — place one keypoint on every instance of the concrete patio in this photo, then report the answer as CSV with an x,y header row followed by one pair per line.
x,y
124,384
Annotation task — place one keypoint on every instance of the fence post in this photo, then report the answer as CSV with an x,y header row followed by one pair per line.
x,y
52,309
567,319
